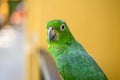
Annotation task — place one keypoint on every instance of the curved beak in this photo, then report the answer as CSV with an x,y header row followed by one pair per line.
x,y
52,34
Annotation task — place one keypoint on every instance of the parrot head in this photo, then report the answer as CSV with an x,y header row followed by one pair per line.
x,y
58,32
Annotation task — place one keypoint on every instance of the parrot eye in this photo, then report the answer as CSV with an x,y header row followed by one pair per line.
x,y
62,27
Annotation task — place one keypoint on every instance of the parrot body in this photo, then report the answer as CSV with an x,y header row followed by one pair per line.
x,y
72,61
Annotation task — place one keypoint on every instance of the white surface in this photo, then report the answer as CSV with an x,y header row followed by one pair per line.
x,y
11,55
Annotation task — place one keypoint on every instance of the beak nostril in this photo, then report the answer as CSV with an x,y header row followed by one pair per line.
x,y
52,28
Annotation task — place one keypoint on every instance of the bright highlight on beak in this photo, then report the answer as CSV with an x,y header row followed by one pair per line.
x,y
52,35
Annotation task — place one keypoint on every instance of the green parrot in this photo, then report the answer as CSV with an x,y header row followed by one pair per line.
x,y
72,60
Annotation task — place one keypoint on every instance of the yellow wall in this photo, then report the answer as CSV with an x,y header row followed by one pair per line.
x,y
4,10
94,23
32,29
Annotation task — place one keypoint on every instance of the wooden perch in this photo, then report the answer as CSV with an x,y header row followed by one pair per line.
x,y
48,67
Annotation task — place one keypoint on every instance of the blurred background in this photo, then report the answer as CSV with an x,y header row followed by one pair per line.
x,y
94,23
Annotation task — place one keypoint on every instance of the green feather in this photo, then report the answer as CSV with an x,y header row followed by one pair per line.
x,y
72,61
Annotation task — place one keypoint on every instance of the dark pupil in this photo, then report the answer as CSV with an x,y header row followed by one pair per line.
x,y
62,26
